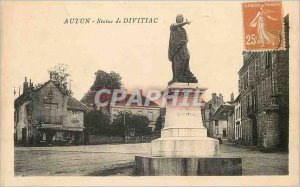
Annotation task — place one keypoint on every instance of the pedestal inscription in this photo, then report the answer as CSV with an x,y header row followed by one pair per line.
x,y
184,134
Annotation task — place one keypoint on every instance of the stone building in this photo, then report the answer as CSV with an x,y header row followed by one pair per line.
x,y
231,123
219,121
152,111
45,115
208,110
264,96
237,118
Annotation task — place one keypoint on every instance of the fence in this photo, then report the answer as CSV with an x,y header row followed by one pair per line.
x,y
97,139
142,139
101,139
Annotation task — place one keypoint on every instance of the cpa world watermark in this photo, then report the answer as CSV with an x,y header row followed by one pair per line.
x,y
171,97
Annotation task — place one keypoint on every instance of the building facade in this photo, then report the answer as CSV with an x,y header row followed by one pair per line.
x,y
264,97
219,123
237,119
208,110
231,123
152,111
45,115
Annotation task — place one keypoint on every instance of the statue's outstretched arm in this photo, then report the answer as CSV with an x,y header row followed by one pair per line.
x,y
181,24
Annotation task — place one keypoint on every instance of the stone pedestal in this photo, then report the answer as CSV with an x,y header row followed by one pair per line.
x,y
205,166
184,134
184,148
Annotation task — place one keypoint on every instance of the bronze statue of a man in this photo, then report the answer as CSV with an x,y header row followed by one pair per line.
x,y
179,54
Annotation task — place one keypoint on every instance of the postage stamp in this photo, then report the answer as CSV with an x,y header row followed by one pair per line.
x,y
263,28
149,93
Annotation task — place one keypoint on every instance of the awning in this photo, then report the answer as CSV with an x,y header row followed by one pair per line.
x,y
62,128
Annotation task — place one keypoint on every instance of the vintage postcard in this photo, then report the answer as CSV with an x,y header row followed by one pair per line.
x,y
150,93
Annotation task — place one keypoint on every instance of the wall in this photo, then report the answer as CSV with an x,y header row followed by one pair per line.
x,y
222,124
40,113
102,139
74,118
21,121
142,139
208,111
238,121
256,99
96,140
231,127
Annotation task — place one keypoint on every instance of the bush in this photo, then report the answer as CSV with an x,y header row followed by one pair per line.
x,y
159,123
97,123
135,125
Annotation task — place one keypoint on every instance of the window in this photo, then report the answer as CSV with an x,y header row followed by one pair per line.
x,y
270,124
51,106
216,123
246,84
74,113
254,99
263,63
150,116
274,57
263,91
259,95
256,67
217,131
267,85
50,113
248,101
224,133
242,83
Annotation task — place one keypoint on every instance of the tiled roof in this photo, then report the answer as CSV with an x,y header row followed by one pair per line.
x,y
222,112
121,103
72,102
75,104
211,101
88,98
26,96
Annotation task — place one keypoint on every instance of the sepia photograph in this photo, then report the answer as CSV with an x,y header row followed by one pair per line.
x,y
109,92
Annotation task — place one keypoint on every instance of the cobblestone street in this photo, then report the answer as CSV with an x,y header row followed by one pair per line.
x,y
105,160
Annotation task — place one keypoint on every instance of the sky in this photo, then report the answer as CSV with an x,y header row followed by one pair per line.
x,y
37,39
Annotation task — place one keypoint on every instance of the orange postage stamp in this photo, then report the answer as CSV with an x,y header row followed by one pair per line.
x,y
263,28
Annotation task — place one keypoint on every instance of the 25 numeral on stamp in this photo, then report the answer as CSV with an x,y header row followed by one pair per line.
x,y
251,39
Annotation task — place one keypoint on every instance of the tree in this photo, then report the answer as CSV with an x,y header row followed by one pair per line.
x,y
103,79
135,125
159,123
96,122
59,75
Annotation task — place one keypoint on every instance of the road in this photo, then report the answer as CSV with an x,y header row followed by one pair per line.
x,y
104,160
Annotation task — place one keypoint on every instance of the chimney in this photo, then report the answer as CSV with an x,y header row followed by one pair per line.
x,y
25,86
214,96
232,97
221,96
30,84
